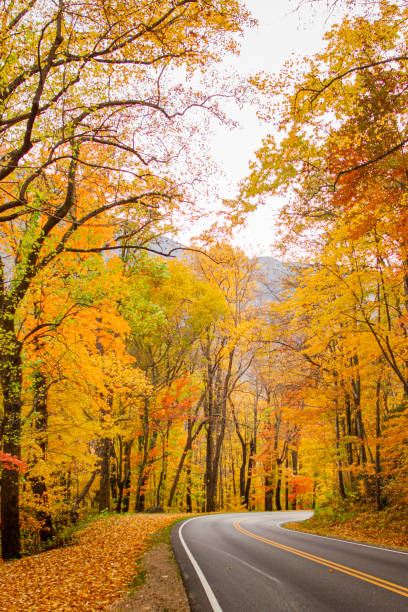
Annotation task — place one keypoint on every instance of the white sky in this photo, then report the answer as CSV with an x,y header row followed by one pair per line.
x,y
282,32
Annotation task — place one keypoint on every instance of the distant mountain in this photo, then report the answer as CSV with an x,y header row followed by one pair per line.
x,y
166,245
272,271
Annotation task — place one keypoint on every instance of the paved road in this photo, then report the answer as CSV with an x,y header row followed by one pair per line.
x,y
249,563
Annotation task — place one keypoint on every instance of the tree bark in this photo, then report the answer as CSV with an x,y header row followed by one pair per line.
x,y
362,455
189,502
122,502
209,477
349,446
252,452
251,463
339,465
38,484
81,496
11,384
220,403
163,471
187,448
104,483
127,476
242,467
268,492
278,487
294,454
143,475
378,483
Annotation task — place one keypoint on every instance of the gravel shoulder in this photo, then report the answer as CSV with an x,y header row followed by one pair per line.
x,y
163,589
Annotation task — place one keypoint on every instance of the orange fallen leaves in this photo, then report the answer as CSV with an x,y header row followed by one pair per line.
x,y
380,528
89,575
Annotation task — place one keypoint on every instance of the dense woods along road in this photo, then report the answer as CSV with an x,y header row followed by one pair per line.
x,y
250,563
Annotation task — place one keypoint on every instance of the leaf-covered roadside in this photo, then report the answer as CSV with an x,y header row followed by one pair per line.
x,y
383,528
89,575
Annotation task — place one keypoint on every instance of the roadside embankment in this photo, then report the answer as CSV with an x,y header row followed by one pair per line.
x,y
91,574
387,527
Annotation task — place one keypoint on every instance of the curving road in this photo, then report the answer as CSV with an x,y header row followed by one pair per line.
x,y
249,563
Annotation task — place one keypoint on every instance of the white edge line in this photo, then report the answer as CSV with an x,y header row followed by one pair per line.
x,y
208,590
316,535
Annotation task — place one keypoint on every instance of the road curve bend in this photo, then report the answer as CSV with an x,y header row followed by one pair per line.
x,y
248,562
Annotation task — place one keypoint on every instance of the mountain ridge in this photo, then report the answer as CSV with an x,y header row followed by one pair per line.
x,y
272,271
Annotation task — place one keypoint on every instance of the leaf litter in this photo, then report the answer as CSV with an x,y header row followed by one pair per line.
x,y
89,575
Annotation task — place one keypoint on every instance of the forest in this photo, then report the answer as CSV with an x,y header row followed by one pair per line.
x,y
141,373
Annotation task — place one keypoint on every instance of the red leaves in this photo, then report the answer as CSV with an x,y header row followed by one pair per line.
x,y
300,485
9,462
179,397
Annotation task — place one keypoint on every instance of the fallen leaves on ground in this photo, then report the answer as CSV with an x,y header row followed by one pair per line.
x,y
384,528
89,575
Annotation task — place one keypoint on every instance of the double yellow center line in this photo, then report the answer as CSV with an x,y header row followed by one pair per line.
x,y
385,584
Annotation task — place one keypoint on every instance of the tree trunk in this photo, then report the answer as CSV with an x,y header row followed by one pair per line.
x,y
278,488
38,484
268,492
119,476
144,470
81,496
213,480
113,480
377,447
163,470
189,503
251,463
122,502
11,384
145,444
243,456
187,447
362,455
349,446
234,489
209,477
295,473
339,466
252,452
242,470
104,483
216,401
140,495
127,476
221,487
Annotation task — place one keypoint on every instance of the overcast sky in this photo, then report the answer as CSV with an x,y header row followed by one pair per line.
x,y
282,32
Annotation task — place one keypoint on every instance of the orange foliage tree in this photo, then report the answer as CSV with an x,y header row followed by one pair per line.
x,y
90,128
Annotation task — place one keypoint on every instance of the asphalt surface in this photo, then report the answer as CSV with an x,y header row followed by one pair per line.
x,y
249,563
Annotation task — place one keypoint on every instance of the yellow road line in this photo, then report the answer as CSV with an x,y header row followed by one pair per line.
x,y
385,584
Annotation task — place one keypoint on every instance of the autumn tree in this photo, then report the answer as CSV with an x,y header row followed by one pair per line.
x,y
341,162
85,104
228,348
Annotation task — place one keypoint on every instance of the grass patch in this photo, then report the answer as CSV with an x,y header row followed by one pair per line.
x,y
139,579
159,537
164,534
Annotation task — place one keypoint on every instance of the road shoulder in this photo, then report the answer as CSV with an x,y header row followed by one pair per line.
x,y
352,532
158,586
